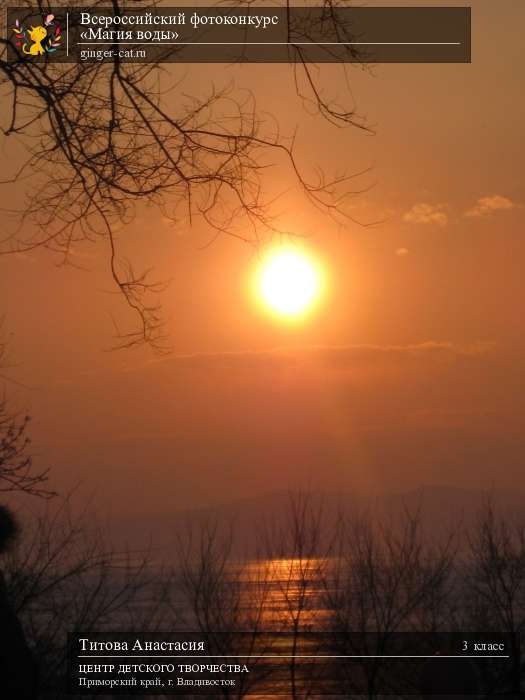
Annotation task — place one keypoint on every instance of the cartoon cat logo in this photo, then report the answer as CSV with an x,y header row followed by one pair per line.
x,y
39,40
37,36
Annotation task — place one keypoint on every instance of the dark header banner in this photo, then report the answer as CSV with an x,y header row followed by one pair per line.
x,y
248,34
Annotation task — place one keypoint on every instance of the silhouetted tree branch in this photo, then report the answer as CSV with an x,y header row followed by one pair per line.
x,y
64,577
385,575
16,464
227,599
103,137
496,575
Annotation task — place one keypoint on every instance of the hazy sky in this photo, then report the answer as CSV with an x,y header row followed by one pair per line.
x,y
408,373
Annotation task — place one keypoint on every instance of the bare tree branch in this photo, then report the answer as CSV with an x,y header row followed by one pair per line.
x,y
103,137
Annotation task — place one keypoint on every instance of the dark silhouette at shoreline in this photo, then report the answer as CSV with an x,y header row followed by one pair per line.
x,y
18,678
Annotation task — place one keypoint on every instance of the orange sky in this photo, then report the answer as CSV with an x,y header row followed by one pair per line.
x,y
407,375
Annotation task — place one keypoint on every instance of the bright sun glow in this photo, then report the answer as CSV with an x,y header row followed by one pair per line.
x,y
289,282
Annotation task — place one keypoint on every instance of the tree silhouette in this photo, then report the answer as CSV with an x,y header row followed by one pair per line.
x,y
16,464
64,577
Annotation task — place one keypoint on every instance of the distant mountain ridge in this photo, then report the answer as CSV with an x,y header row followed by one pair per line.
x,y
441,507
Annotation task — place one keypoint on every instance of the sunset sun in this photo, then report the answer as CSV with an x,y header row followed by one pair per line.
x,y
289,283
